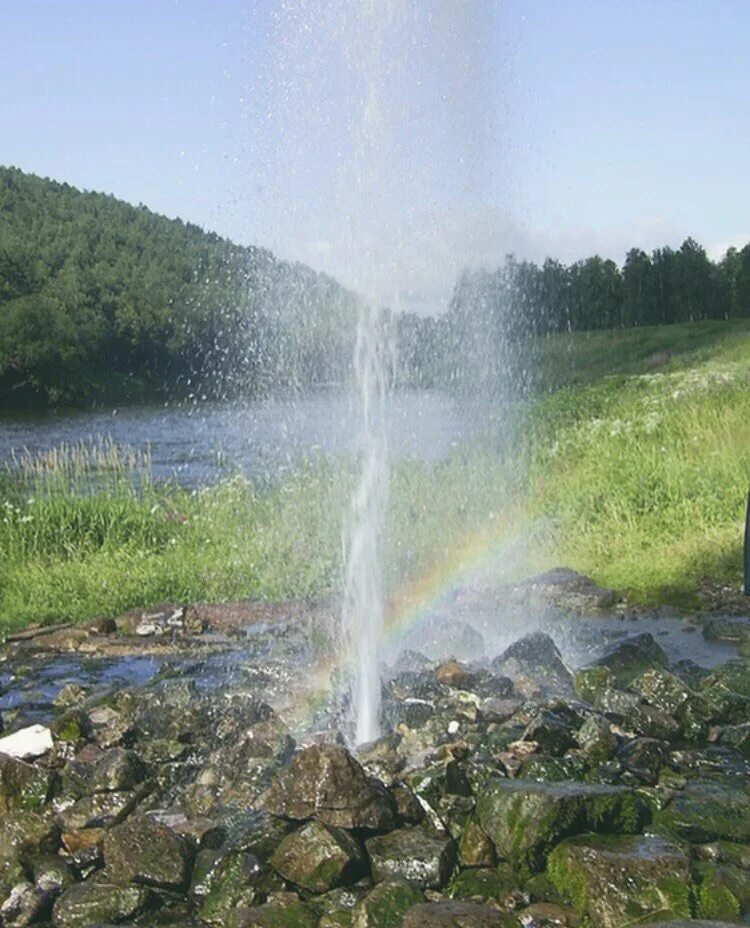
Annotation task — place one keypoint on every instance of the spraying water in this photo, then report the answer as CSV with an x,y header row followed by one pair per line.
x,y
362,612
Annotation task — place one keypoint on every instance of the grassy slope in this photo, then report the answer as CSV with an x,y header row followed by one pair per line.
x,y
639,479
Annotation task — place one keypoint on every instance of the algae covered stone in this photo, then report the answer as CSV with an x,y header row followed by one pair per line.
x,y
141,850
318,857
386,904
456,915
327,783
94,902
22,785
705,811
413,854
525,819
620,880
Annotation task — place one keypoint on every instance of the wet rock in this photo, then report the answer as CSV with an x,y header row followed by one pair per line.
x,y
285,910
497,886
327,783
413,854
738,855
100,810
22,785
110,726
85,847
147,852
561,589
27,743
409,810
96,902
117,769
622,880
525,819
26,905
706,811
548,915
453,673
319,858
24,837
551,732
386,904
537,657
474,847
225,882
723,891
499,709
671,695
723,764
736,736
631,657
454,915
72,694
643,758
596,740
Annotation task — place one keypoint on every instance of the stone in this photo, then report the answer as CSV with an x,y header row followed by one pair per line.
x,y
474,847
643,758
413,854
327,783
525,819
117,769
72,727
24,837
622,880
629,658
386,904
224,882
454,673
704,811
596,739
143,851
95,902
319,858
496,886
283,911
672,696
559,589
85,846
548,915
723,890
22,785
99,810
550,732
26,905
535,656
736,736
27,743
455,915
499,709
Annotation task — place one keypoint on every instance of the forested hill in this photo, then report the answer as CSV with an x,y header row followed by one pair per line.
x,y
104,301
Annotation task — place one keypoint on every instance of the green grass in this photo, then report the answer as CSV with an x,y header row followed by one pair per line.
x,y
636,478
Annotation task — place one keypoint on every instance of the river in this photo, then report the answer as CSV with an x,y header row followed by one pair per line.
x,y
197,444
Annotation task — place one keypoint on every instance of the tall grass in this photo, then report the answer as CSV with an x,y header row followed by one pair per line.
x,y
638,479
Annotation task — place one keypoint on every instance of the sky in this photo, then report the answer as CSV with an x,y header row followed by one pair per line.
x,y
393,142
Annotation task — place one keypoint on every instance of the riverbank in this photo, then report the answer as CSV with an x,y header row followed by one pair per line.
x,y
638,479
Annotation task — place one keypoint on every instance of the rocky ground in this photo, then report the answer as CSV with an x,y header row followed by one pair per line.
x,y
509,790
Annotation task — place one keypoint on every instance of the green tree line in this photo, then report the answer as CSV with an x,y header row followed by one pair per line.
x,y
101,300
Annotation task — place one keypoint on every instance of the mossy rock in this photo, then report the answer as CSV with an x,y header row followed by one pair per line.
x,y
621,880
319,858
633,656
290,913
590,682
386,904
226,883
96,902
723,890
483,884
705,811
474,848
413,854
23,787
525,819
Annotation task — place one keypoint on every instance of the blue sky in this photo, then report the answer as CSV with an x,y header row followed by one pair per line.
x,y
547,126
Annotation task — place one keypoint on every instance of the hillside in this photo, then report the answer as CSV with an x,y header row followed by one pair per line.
x,y
104,301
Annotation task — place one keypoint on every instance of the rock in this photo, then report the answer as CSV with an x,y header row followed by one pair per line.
x,y
548,915
550,732
673,696
283,911
622,880
535,656
386,904
736,736
147,852
99,810
22,785
474,847
94,903
327,783
453,673
631,657
26,905
24,837
117,769
560,589
643,758
499,709
596,740
524,819
492,886
225,882
454,915
723,891
73,694
738,855
319,858
413,854
706,811
85,846
27,743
